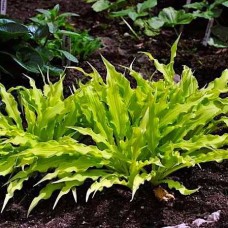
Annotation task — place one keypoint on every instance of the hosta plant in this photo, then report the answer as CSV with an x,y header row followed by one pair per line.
x,y
30,125
162,125
135,134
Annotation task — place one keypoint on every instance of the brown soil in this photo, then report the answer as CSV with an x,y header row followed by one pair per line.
x,y
112,207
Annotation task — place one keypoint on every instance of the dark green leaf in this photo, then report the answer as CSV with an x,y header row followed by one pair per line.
x,y
172,17
11,29
47,13
155,23
29,59
225,4
69,15
217,43
146,5
220,32
196,5
133,15
122,13
101,5
69,56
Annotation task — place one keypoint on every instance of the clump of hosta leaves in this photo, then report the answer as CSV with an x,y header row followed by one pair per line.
x,y
33,132
163,125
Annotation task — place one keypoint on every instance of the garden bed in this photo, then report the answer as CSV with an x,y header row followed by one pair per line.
x,y
112,207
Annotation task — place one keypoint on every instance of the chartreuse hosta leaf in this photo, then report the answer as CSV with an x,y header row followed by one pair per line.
x,y
106,181
176,185
13,186
11,107
45,193
167,70
109,132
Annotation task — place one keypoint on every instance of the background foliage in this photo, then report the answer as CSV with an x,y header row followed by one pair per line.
x,y
148,17
44,44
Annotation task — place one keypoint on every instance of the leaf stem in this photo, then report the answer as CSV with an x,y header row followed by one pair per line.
x,y
131,29
208,32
